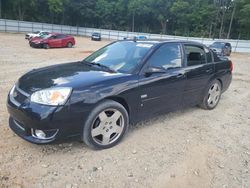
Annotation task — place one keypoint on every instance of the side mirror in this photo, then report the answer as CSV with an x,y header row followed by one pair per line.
x,y
153,70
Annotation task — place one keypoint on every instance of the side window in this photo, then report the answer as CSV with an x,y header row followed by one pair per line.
x,y
209,55
53,37
167,56
195,55
60,36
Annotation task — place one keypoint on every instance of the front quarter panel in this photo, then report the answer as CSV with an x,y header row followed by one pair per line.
x,y
85,99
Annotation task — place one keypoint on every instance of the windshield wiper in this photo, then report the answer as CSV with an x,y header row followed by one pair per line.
x,y
104,66
99,65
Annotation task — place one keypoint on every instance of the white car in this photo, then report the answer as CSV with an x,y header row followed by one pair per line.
x,y
36,34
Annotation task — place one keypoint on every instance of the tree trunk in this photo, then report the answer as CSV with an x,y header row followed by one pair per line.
x,y
163,26
210,30
0,9
133,22
222,19
231,21
21,10
216,17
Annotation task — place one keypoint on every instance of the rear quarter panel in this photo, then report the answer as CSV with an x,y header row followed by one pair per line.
x,y
223,73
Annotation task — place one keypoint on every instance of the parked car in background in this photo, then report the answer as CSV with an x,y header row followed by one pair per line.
x,y
221,48
36,34
53,40
140,37
96,36
127,81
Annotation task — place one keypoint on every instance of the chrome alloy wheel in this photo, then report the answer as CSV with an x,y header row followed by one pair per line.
x,y
107,127
214,95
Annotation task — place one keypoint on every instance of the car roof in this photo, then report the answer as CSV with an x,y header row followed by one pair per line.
x,y
54,33
161,41
222,42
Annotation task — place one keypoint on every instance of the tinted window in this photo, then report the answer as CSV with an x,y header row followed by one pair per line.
x,y
209,55
60,36
167,56
195,55
52,37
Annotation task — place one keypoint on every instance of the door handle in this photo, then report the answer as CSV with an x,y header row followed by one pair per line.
x,y
180,75
209,70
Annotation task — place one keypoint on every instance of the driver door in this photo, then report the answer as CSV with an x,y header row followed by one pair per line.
x,y
161,90
55,41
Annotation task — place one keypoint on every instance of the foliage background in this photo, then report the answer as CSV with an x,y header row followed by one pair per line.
x,y
197,18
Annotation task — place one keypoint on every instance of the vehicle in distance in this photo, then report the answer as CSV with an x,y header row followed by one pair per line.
x,y
140,37
53,40
96,36
36,34
221,48
122,83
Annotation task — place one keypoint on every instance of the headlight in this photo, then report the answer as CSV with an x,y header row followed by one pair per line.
x,y
53,97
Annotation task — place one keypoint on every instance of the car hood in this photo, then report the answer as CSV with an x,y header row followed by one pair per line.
x,y
75,75
36,39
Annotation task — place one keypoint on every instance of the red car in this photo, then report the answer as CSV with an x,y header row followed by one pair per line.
x,y
53,40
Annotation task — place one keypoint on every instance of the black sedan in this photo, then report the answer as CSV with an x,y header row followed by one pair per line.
x,y
127,81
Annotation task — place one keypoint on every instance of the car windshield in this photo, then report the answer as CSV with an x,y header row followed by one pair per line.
x,y
122,56
96,34
36,32
217,45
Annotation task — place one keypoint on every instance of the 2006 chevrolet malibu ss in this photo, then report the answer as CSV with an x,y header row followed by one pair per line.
x,y
96,99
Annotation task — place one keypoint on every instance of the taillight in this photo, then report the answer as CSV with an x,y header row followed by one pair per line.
x,y
231,66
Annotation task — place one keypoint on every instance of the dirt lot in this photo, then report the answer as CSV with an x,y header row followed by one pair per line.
x,y
189,148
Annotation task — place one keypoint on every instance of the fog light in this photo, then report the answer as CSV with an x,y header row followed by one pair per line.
x,y
40,134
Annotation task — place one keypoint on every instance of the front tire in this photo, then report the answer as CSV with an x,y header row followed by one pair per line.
x,y
46,46
212,95
106,125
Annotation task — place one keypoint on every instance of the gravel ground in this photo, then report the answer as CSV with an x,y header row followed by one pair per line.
x,y
190,148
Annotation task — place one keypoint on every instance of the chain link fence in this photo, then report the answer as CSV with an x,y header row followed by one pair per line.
x,y
16,26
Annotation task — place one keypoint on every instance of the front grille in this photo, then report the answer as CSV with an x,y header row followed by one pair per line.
x,y
19,95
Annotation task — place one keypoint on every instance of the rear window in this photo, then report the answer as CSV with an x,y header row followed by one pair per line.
x,y
209,55
195,55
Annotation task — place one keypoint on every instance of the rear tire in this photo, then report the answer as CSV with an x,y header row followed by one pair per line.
x,y
70,45
212,95
106,125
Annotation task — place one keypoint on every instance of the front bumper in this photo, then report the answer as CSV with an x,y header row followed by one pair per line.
x,y
58,123
96,38
27,133
36,45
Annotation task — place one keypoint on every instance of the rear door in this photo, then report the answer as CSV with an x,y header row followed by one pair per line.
x,y
162,91
64,40
199,70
